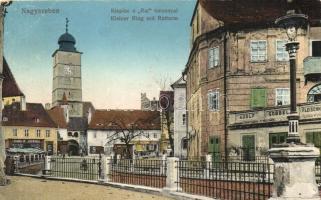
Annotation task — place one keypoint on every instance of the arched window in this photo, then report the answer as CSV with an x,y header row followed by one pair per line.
x,y
314,95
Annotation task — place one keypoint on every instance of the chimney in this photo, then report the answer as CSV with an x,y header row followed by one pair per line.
x,y
23,103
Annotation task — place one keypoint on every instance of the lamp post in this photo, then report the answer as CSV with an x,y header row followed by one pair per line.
x,y
294,162
292,22
3,11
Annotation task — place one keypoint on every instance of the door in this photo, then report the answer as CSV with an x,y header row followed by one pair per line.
x,y
248,147
214,148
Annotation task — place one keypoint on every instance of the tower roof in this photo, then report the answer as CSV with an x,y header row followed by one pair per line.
x,y
66,41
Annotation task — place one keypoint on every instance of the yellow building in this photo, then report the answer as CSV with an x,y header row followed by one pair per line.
x,y
25,124
30,128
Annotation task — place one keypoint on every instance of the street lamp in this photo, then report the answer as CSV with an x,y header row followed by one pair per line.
x,y
291,22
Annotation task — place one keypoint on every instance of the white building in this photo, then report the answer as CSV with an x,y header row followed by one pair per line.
x,y
104,124
180,118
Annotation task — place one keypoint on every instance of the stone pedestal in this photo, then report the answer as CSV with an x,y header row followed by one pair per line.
x,y
294,176
172,176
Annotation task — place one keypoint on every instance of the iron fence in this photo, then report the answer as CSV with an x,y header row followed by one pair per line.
x,y
150,173
226,180
85,168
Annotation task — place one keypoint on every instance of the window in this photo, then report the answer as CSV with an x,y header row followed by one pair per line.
x,y
213,100
69,134
248,147
15,132
314,138
26,132
184,119
316,48
76,134
38,132
277,138
155,135
314,95
95,134
213,57
258,51
258,98
282,96
281,53
47,133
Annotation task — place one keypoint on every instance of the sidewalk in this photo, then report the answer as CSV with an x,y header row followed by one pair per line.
x,y
25,188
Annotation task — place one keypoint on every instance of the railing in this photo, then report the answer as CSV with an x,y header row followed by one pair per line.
x,y
226,180
150,173
85,168
27,164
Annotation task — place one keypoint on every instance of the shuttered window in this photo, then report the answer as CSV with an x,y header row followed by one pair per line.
x,y
277,138
258,98
314,138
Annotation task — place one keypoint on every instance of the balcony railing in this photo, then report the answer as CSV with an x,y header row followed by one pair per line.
x,y
312,65
276,114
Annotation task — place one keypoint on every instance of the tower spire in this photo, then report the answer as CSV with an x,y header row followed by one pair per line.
x,y
67,21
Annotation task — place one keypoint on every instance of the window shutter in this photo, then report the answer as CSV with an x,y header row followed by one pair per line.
x,y
309,137
317,139
258,98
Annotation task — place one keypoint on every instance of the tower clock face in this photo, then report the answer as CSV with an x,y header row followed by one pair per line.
x,y
67,70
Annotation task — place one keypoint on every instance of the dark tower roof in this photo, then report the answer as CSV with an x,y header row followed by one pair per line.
x,y
66,41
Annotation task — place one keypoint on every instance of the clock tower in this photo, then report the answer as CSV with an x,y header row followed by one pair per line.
x,y
67,87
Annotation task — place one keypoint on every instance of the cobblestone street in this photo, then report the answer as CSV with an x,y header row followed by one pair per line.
x,y
25,188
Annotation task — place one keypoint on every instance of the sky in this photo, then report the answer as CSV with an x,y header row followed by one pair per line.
x,y
120,58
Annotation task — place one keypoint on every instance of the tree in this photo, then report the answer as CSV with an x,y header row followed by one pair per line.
x,y
125,134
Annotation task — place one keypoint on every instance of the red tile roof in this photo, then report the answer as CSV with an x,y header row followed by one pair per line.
x,y
10,87
145,120
35,115
57,115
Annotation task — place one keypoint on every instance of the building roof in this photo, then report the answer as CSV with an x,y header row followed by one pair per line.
x,y
145,120
180,83
35,115
57,115
67,42
10,87
77,124
249,12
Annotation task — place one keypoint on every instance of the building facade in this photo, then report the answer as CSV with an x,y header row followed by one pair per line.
x,y
180,118
101,136
31,128
238,63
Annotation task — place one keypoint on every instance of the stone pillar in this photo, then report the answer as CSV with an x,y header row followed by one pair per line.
x,y
47,163
294,176
208,165
172,177
163,164
107,161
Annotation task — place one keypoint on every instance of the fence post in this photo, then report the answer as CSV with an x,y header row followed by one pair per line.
x,y
107,161
163,164
47,164
172,175
208,165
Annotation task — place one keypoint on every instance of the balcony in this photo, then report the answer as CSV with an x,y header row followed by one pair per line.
x,y
273,116
312,67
